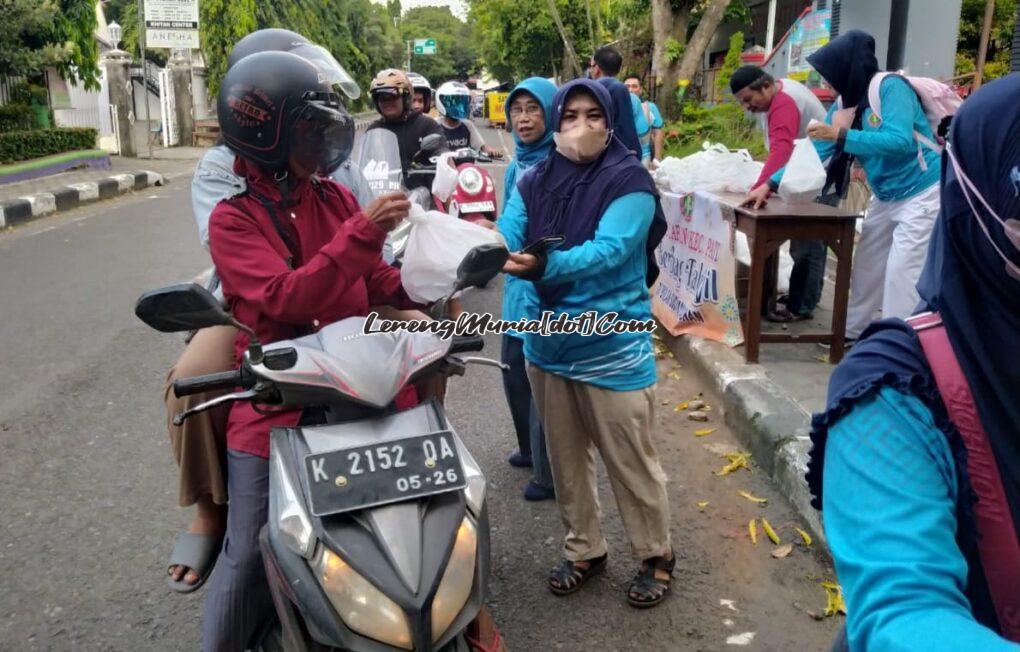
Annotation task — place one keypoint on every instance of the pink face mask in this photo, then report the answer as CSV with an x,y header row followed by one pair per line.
x,y
1011,226
582,144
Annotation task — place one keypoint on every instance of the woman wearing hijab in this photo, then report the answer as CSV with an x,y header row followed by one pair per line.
x,y
594,392
903,174
529,106
889,467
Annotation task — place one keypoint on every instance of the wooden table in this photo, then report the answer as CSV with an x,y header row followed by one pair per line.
x,y
766,230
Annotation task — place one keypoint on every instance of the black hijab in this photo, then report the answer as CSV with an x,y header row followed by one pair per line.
x,y
847,63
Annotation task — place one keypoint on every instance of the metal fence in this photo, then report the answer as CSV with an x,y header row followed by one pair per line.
x,y
7,85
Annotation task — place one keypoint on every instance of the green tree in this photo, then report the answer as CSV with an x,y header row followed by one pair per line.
x,y
41,33
969,40
455,57
730,63
221,24
518,38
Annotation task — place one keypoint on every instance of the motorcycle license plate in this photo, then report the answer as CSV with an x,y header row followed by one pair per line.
x,y
368,476
478,207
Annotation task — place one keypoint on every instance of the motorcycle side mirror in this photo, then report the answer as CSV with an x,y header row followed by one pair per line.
x,y
181,307
189,306
480,265
432,143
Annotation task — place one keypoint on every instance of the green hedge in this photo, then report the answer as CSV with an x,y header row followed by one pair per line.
x,y
16,117
24,145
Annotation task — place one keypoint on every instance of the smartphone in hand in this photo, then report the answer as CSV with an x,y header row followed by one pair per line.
x,y
543,245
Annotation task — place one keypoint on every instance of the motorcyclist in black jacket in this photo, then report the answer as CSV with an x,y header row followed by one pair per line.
x,y
392,93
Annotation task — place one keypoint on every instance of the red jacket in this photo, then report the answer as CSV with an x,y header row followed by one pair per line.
x,y
338,272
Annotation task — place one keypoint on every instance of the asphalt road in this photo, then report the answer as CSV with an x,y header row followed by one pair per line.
x,y
88,486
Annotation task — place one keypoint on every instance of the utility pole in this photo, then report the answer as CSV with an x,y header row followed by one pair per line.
x,y
145,74
897,34
986,33
408,68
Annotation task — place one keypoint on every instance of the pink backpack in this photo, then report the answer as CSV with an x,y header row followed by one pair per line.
x,y
938,100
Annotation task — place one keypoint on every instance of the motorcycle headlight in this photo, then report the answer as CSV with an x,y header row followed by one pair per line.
x,y
286,509
470,180
455,587
364,608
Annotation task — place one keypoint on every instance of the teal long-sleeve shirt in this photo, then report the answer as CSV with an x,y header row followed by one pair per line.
x,y
889,501
608,276
886,147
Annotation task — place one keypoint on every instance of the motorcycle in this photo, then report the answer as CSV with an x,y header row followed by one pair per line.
x,y
474,197
377,537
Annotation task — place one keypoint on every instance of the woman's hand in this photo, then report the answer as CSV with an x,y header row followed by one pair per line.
x,y
757,197
822,131
520,264
388,210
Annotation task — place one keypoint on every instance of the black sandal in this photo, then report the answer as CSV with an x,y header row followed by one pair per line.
x,y
568,577
650,589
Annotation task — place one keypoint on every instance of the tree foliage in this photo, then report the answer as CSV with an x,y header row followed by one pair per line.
x,y
221,24
971,20
518,38
41,33
456,56
731,62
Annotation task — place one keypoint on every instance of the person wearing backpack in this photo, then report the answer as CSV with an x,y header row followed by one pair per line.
x,y
896,147
916,460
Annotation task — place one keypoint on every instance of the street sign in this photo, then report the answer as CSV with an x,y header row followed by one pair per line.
x,y
171,24
424,46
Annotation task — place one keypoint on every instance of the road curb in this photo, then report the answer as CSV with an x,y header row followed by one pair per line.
x,y
766,419
24,209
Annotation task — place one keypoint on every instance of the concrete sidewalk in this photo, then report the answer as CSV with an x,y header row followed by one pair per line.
x,y
769,405
34,198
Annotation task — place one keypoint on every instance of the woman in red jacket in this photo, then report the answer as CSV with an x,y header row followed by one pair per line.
x,y
295,252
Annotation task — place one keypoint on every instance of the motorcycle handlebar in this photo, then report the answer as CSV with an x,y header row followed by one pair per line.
x,y
467,343
210,382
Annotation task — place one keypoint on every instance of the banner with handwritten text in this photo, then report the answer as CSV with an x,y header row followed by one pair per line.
x,y
696,292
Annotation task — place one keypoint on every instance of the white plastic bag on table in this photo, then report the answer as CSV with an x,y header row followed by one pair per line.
x,y
437,244
804,175
445,181
714,169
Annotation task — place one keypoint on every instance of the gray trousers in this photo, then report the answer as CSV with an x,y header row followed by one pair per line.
x,y
238,601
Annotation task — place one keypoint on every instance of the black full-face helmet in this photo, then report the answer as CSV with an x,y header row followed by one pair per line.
x,y
276,105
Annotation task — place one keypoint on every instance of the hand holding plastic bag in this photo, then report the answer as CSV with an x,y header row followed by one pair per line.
x,y
804,175
435,248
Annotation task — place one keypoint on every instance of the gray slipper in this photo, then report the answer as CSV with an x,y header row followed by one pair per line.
x,y
199,553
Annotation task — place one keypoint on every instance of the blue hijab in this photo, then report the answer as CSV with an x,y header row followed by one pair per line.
x,y
568,199
623,114
528,154
965,280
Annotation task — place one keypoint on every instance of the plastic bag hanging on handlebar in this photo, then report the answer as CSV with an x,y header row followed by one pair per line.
x,y
435,248
445,181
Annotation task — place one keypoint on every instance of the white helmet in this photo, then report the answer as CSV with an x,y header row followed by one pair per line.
x,y
453,100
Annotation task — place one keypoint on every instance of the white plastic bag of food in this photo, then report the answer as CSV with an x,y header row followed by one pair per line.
x,y
714,169
445,181
804,175
435,248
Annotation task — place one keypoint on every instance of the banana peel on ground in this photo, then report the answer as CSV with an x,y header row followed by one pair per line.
x,y
769,532
752,530
750,496
834,599
805,537
737,461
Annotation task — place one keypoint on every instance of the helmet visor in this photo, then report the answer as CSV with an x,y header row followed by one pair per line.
x,y
457,106
323,136
330,70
